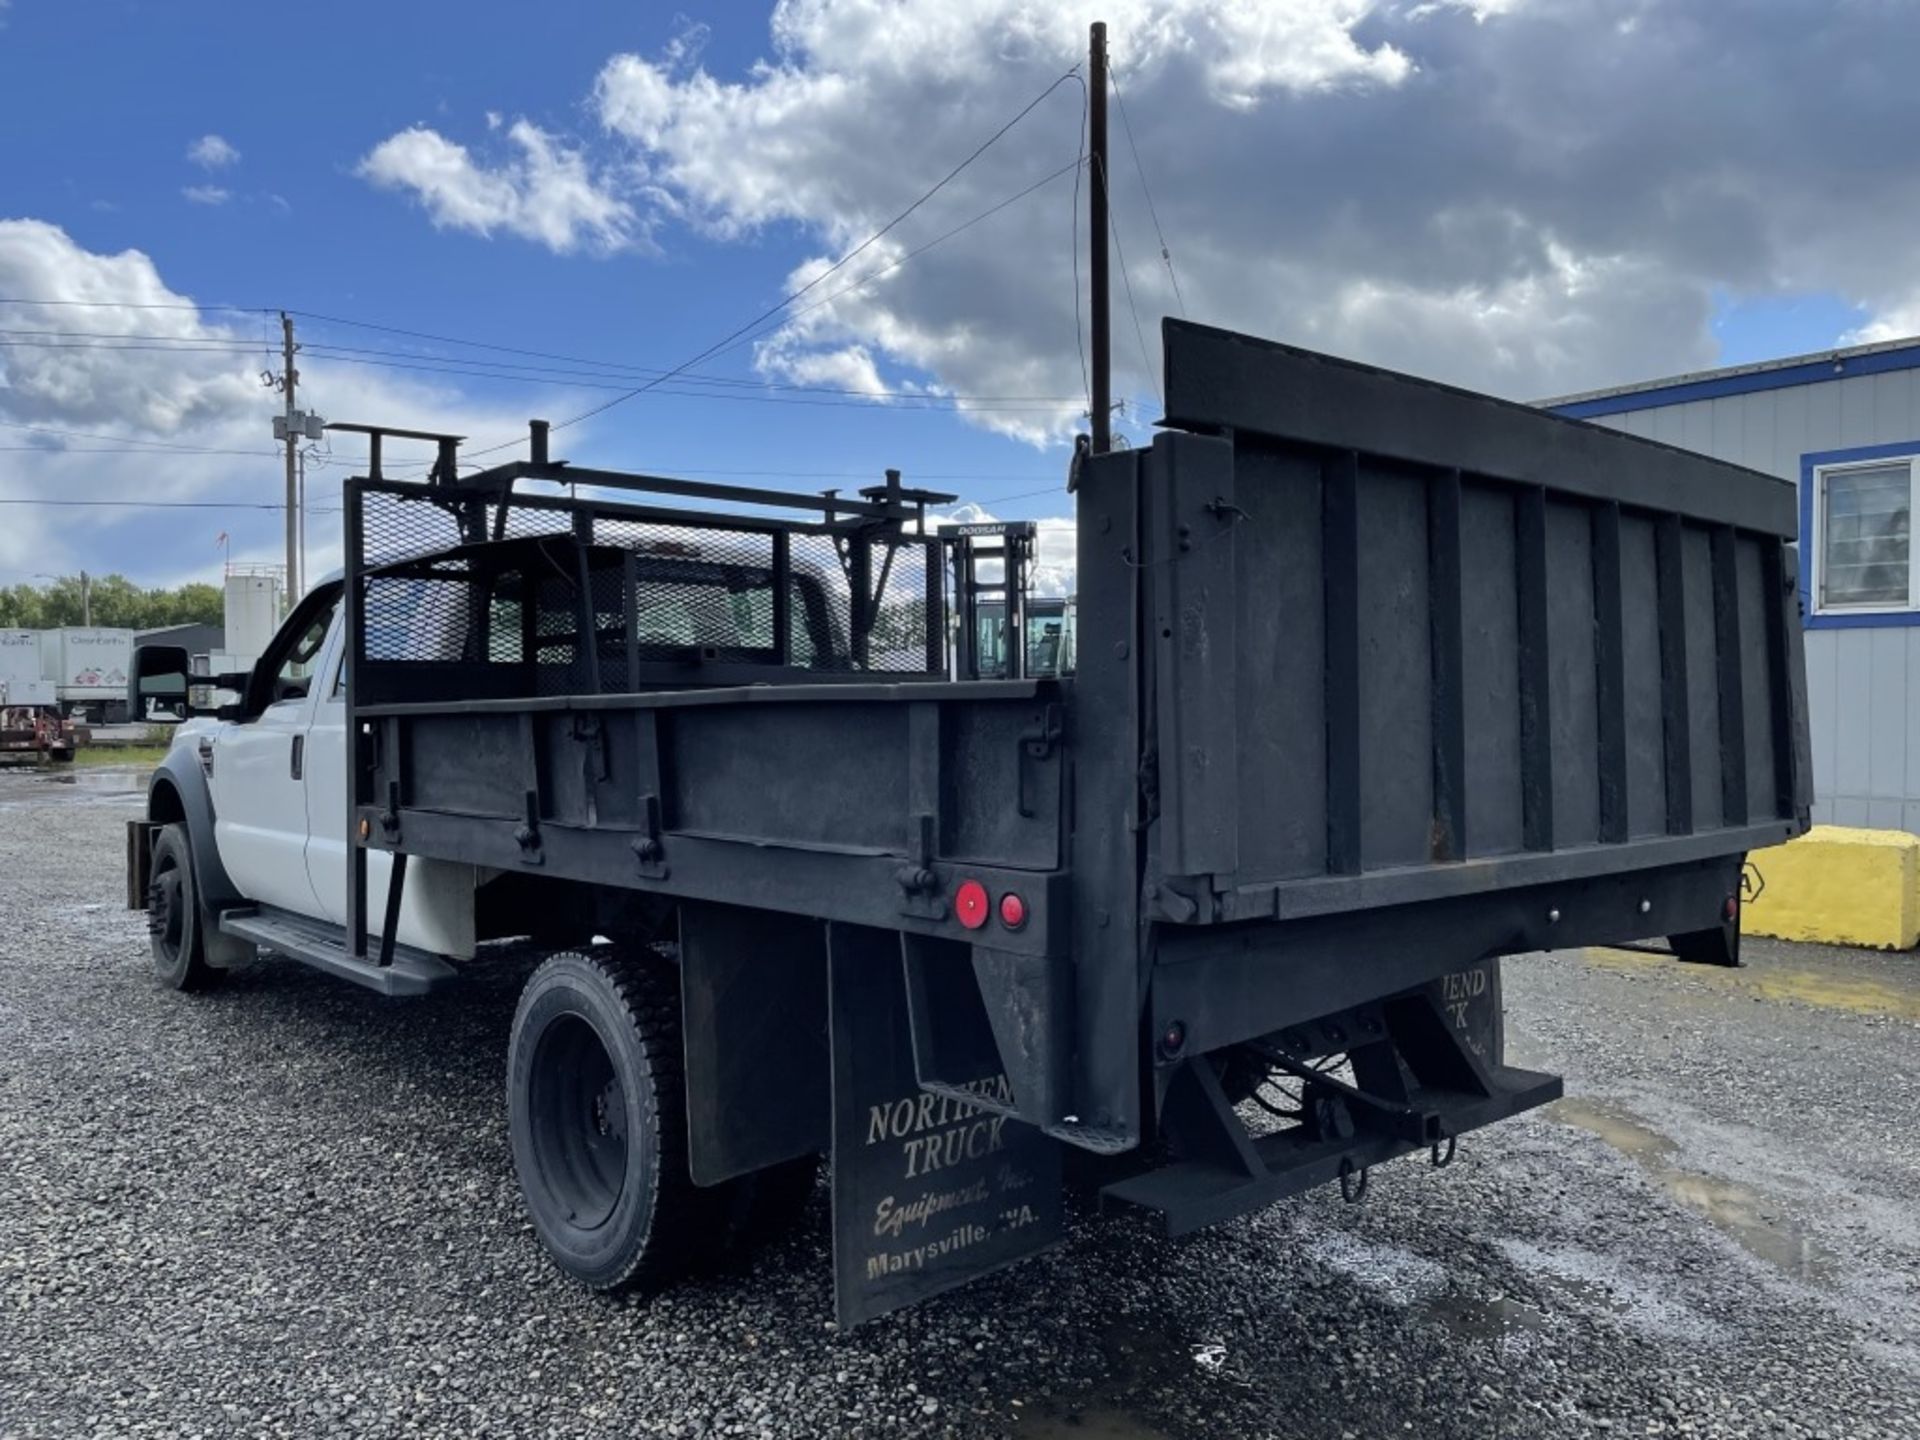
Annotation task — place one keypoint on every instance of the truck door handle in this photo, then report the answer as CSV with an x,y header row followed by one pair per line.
x,y
299,755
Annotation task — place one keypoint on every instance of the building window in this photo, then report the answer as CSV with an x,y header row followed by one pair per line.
x,y
1863,518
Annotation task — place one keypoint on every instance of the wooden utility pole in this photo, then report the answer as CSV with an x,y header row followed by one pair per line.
x,y
292,377
1102,379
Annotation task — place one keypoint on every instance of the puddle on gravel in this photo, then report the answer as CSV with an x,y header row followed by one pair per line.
x,y
98,779
1139,1361
1746,1215
1826,991
1092,1424
1503,1317
1478,1317
27,788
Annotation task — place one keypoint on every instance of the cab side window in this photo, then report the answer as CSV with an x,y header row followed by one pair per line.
x,y
295,675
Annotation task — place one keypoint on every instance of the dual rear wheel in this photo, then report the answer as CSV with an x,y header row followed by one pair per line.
x,y
596,1105
596,1108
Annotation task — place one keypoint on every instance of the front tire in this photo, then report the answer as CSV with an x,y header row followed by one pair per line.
x,y
596,1111
177,921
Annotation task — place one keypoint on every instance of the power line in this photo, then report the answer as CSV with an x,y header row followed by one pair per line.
x,y
1126,279
122,440
886,270
788,299
718,385
721,383
63,452
140,305
1057,488
598,368
454,340
151,344
131,335
1147,190
161,504
837,399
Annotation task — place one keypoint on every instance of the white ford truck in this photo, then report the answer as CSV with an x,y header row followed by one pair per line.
x,y
1377,683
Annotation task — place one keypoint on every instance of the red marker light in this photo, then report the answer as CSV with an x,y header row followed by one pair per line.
x,y
970,905
1013,911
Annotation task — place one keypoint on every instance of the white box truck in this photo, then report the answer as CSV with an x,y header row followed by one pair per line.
x,y
89,665
20,657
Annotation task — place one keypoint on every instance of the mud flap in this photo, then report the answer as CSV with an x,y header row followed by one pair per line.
x,y
928,1191
1470,1000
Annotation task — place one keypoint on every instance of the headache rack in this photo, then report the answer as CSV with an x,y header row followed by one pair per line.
x,y
538,584
477,588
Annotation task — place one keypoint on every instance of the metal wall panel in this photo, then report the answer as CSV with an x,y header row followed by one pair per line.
x,y
1886,714
1281,719
1396,737
1491,675
1853,726
1863,686
1571,675
1640,627
1823,722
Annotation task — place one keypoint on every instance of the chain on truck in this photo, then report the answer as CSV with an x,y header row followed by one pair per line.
x,y
1376,682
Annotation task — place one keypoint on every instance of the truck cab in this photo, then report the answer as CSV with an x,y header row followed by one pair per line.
x,y
259,786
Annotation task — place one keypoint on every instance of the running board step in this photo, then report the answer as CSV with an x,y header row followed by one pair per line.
x,y
323,945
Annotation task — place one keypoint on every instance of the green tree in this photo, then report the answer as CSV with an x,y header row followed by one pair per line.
x,y
22,607
115,602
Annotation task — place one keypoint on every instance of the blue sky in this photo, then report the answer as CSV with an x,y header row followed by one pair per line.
x,y
303,101
1352,175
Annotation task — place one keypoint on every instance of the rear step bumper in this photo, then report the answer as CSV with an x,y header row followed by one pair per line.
x,y
1189,1195
323,946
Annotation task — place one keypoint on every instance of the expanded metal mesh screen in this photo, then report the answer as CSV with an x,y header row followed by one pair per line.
x,y
547,602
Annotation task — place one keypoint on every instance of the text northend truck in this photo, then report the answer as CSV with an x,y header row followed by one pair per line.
x,y
1377,681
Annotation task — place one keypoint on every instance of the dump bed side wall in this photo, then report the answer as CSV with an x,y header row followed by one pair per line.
x,y
1417,638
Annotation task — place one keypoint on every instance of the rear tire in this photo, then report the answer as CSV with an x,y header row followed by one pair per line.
x,y
596,1111
177,921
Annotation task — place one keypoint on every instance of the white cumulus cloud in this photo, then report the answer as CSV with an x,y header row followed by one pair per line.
x,y
543,191
213,152
147,397
1525,196
207,194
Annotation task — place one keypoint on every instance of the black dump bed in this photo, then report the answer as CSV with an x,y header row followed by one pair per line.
x,y
1407,641
1376,680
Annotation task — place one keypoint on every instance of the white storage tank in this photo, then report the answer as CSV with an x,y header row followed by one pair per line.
x,y
253,610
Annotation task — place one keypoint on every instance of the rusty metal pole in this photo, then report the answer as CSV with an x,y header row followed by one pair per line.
x,y
1102,378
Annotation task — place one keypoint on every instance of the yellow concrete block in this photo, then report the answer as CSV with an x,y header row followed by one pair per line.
x,y
1837,886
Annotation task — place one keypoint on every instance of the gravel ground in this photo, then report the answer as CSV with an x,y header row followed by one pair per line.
x,y
288,1209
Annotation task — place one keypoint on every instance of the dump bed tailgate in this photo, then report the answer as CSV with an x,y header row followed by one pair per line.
x,y
1410,642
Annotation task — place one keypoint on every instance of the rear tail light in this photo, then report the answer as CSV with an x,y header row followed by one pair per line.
x,y
970,904
1013,911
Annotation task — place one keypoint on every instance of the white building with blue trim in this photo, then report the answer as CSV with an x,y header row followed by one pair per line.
x,y
1845,427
